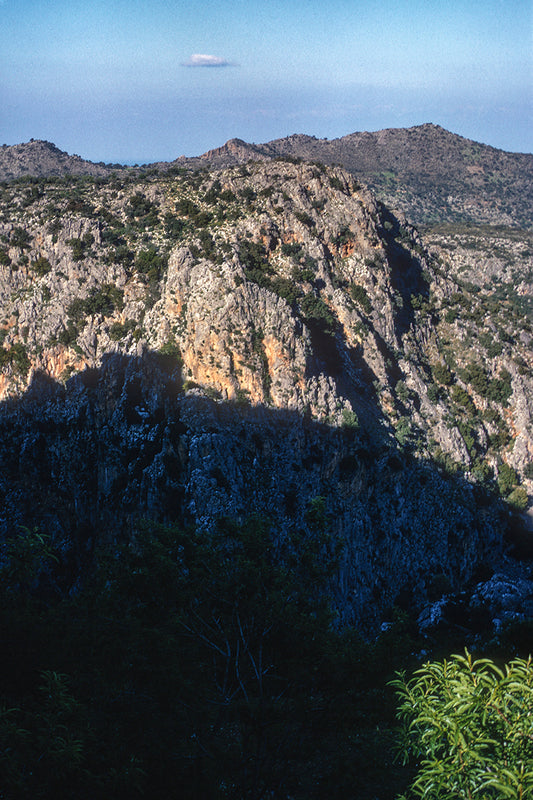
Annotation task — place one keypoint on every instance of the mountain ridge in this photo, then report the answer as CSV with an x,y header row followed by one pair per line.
x,y
430,174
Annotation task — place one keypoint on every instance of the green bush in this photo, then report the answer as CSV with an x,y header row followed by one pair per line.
x,y
317,313
359,294
468,728
507,479
292,249
174,226
119,330
463,399
41,266
103,300
285,288
17,357
151,263
20,238
349,419
518,499
256,267
142,209
78,249
500,389
442,375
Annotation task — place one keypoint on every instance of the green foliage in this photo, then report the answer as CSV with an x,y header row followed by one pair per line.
x,y
41,266
496,389
119,330
451,315
528,471
404,432
359,294
248,194
78,249
170,355
463,399
500,389
518,499
469,727
174,226
123,255
207,244
349,419
403,392
476,376
344,236
435,393
336,183
68,335
102,300
26,555
17,357
142,209
285,288
20,238
256,266
305,219
493,348
317,313
5,260
151,263
186,208
441,374
292,249
507,479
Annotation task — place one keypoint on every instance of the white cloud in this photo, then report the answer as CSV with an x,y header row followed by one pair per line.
x,y
202,60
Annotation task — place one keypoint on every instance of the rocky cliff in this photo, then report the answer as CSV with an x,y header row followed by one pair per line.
x,y
265,338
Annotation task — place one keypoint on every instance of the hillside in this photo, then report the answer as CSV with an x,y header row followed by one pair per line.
x,y
430,174
427,172
262,338
41,159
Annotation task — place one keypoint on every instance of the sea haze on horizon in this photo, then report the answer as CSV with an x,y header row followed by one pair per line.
x,y
125,82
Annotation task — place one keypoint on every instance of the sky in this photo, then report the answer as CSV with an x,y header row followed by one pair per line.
x,y
134,81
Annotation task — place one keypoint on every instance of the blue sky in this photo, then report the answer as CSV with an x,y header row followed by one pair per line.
x,y
133,81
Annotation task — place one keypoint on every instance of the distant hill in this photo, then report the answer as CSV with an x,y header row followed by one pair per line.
x,y
41,159
429,173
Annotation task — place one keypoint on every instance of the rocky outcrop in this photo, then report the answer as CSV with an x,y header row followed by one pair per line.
x,y
41,159
263,339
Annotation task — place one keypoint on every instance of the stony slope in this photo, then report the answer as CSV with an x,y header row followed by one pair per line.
x,y
41,159
267,338
429,173
426,172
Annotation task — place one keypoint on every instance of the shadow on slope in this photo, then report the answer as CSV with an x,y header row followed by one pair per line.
x,y
86,461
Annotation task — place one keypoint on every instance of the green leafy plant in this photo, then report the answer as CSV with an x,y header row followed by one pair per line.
x,y
317,313
360,295
20,238
41,266
468,725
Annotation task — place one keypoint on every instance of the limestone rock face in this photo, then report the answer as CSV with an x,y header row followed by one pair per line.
x,y
193,345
